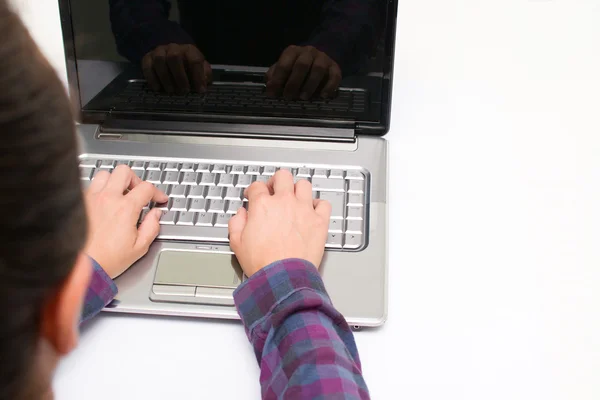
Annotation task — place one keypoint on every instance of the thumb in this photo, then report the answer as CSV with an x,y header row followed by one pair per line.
x,y
148,230
236,226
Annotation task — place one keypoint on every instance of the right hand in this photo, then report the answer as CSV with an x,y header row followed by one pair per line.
x,y
282,221
115,241
176,68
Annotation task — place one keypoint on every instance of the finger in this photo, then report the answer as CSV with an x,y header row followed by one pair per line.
x,y
121,179
282,182
99,182
208,77
283,69
322,208
148,231
160,67
149,73
143,193
303,190
299,72
196,63
237,223
270,72
318,70
177,68
333,81
255,190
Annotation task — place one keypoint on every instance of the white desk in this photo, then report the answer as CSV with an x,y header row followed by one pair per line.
x,y
495,267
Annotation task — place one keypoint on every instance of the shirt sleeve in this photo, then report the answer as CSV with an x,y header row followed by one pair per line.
x,y
101,291
349,31
140,26
303,345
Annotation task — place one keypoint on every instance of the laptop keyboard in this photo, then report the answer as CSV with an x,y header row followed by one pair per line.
x,y
240,98
203,196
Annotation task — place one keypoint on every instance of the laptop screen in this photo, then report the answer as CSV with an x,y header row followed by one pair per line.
x,y
297,60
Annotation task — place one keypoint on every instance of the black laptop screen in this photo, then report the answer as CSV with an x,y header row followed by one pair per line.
x,y
309,60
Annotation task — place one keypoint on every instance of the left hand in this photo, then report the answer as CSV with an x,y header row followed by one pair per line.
x,y
303,71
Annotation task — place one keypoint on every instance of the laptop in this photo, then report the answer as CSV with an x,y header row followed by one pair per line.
x,y
204,146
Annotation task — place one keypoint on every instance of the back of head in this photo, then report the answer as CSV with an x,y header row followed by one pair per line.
x,y
43,216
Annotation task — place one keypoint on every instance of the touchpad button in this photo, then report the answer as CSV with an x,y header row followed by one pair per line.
x,y
193,268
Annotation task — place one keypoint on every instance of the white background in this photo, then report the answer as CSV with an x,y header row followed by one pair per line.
x,y
494,233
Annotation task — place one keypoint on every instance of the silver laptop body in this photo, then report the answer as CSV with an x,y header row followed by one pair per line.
x,y
204,158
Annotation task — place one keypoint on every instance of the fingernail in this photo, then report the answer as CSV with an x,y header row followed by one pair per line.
x,y
324,95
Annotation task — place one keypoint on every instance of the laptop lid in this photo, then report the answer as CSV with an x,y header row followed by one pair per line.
x,y
310,63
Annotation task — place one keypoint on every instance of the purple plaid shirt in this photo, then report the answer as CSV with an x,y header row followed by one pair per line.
x,y
303,345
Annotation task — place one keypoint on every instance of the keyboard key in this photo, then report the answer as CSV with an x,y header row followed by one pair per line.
x,y
178,191
223,220
194,233
198,205
352,241
269,170
190,178
108,164
218,169
226,180
332,185
208,179
320,173
163,188
335,225
355,199
154,166
355,213
139,173
233,206
186,218
217,206
214,192
203,168
354,226
123,162
336,174
262,178
356,186
168,218
237,170
334,240
353,174
172,166
171,178
233,194
337,203
187,167
138,165
178,204
303,172
154,177
197,192
244,181
88,162
86,173
253,170
204,219
288,169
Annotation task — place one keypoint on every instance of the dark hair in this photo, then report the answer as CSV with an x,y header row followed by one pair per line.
x,y
42,218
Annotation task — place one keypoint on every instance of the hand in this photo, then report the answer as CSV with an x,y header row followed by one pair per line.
x,y
282,221
303,72
115,241
176,68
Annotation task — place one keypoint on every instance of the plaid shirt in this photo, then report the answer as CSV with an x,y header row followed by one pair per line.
x,y
304,347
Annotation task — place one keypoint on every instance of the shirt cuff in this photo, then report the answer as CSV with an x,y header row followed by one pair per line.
x,y
101,291
262,292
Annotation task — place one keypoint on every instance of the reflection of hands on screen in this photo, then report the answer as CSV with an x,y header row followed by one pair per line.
x,y
176,68
303,71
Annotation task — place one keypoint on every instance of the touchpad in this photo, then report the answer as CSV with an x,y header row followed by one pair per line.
x,y
196,268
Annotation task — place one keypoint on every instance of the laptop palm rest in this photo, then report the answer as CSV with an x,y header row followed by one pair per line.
x,y
196,277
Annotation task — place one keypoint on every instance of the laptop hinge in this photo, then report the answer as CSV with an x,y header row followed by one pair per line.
x,y
118,125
